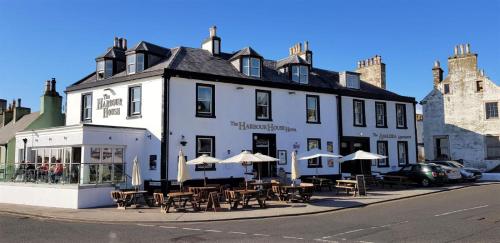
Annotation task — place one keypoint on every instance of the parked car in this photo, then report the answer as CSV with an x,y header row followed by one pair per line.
x,y
422,174
453,173
468,173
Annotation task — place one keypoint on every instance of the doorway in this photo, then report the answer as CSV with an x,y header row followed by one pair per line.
x,y
350,145
265,144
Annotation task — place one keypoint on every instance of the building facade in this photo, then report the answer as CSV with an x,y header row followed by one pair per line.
x,y
461,113
206,101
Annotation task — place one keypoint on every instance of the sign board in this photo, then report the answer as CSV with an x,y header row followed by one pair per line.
x,y
360,179
269,127
213,201
109,106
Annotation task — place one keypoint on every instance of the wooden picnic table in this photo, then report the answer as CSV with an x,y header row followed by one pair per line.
x,y
248,194
183,198
319,183
348,185
295,193
133,196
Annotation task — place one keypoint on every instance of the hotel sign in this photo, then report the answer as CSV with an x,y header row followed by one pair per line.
x,y
383,136
269,127
109,107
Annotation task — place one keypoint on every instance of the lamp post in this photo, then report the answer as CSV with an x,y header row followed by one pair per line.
x,y
25,140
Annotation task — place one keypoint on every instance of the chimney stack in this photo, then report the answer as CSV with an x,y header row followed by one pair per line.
x,y
437,74
213,42
372,71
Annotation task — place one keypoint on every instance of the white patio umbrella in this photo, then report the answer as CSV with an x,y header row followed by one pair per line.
x,y
362,155
317,153
295,167
243,157
182,169
203,160
136,174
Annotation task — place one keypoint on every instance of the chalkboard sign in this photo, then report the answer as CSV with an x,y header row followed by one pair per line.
x,y
360,179
213,201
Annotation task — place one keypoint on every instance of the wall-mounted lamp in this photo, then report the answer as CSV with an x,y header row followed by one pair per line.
x,y
25,140
183,141
239,88
109,138
291,92
149,136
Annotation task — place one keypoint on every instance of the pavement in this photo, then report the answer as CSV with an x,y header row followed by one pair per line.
x,y
320,203
469,214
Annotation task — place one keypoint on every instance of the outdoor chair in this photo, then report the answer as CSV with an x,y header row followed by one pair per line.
x,y
280,193
307,192
233,199
160,201
120,199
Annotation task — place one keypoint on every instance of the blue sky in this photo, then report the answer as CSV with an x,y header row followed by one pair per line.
x,y
45,39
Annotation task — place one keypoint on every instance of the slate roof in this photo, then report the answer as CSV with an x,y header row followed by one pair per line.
x,y
9,131
247,51
114,53
149,47
200,61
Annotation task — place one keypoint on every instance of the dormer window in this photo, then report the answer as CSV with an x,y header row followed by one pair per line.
x,y
104,69
250,66
300,74
135,63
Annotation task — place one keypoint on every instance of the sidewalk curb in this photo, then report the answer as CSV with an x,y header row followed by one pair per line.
x,y
242,218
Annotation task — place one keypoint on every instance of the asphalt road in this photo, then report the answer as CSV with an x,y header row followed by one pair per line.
x,y
466,215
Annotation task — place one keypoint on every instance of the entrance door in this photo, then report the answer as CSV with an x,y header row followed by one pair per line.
x,y
265,144
350,145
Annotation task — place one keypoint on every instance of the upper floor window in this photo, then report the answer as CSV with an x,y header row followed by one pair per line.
x,y
251,66
380,114
104,69
300,74
491,110
401,116
479,86
134,100
312,109
205,100
135,63
205,145
86,107
446,88
263,105
359,113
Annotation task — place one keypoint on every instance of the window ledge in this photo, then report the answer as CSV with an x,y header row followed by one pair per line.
x,y
134,117
268,120
205,116
309,122
364,125
401,127
381,126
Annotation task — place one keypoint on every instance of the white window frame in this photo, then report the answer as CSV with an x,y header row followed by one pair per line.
x,y
300,74
247,66
134,100
131,64
86,107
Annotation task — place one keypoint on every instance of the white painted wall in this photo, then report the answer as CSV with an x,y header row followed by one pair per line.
x,y
232,104
372,132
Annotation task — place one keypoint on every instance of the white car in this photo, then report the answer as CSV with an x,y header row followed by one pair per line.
x,y
453,173
468,173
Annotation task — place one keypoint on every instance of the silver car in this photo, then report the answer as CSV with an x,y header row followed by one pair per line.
x,y
468,173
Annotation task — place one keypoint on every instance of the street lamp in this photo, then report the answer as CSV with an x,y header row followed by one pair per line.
x,y
25,140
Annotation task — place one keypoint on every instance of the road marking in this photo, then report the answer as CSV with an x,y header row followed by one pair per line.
x,y
215,231
460,210
292,237
190,229
261,235
361,241
236,232
348,232
168,227
329,241
146,225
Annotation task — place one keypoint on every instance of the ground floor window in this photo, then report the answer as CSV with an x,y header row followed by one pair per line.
x,y
492,147
314,143
205,145
106,165
402,153
382,148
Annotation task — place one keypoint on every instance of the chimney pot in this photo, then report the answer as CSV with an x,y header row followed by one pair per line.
x,y
13,103
19,102
462,49
115,43
437,64
124,44
53,88
467,48
213,31
47,87
455,51
306,45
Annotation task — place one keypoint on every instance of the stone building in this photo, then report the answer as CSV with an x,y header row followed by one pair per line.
x,y
461,113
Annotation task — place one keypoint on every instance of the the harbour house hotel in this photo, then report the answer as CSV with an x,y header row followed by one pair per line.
x,y
151,101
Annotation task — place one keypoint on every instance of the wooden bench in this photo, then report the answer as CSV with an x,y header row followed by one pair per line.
x,y
348,185
396,180
121,200
160,201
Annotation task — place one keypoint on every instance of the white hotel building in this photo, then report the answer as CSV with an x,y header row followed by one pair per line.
x,y
149,101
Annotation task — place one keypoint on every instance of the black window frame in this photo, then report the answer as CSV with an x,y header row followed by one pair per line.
x,y
197,167
363,112
386,143
407,154
129,102
385,114
82,108
405,118
479,86
487,115
446,89
212,113
319,163
270,109
318,109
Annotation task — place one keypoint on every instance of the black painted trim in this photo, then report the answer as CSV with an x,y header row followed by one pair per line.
x,y
318,109
407,155
82,119
203,115
320,164
415,128
354,113
129,102
387,151
269,105
404,114
385,114
197,168
165,135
